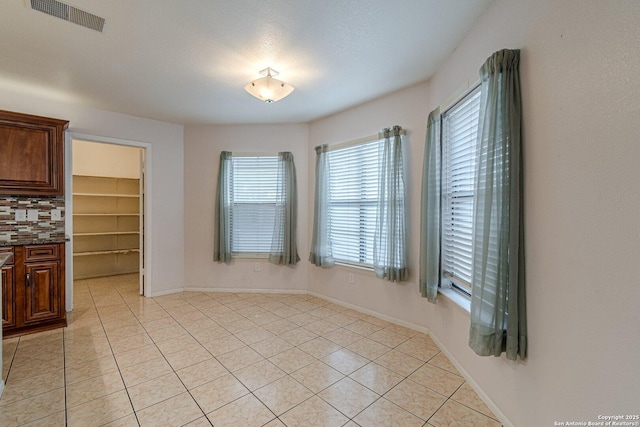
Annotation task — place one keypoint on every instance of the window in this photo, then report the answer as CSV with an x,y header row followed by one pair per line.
x,y
359,214
459,134
353,201
256,208
472,231
253,184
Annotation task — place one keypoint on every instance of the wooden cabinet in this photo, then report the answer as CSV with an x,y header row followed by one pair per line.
x,y
8,291
38,290
31,155
42,288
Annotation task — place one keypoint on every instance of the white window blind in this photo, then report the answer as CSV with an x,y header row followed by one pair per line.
x,y
353,198
253,188
459,133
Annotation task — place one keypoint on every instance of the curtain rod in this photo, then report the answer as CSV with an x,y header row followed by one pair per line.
x,y
358,141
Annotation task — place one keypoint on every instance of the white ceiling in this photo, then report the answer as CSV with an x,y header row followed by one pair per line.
x,y
187,61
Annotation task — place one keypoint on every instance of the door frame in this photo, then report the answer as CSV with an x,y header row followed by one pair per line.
x,y
147,217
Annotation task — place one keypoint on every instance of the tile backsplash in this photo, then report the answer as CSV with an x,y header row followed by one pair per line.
x,y
19,231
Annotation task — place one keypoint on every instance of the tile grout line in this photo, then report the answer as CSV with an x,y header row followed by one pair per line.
x,y
319,360
13,358
36,394
64,376
135,413
251,392
113,354
176,373
295,379
166,360
214,357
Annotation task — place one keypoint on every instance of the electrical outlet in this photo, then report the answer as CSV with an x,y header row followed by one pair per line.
x,y
21,214
56,215
352,278
257,266
32,215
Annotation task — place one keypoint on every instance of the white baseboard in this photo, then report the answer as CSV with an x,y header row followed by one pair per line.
x,y
1,387
474,385
248,291
168,292
373,313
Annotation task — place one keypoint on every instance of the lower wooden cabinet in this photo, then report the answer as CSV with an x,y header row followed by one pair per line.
x,y
33,297
42,289
8,291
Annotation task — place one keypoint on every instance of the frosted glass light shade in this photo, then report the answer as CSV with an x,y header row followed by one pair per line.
x,y
269,89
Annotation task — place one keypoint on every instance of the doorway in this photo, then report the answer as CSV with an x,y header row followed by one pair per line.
x,y
107,210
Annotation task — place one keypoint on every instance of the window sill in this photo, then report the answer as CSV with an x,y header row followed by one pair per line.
x,y
250,257
462,301
356,267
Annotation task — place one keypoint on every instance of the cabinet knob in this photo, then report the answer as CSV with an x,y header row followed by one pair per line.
x,y
27,280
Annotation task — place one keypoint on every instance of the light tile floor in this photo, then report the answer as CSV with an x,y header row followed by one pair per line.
x,y
228,359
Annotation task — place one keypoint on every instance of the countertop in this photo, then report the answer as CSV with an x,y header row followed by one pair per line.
x,y
5,257
24,242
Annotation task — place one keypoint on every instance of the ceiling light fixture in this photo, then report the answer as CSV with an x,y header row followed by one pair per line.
x,y
267,88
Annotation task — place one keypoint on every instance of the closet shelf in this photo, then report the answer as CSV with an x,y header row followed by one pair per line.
x,y
114,251
106,233
106,195
106,214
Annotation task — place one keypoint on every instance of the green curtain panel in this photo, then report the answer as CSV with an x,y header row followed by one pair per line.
x,y
389,242
222,231
284,249
430,211
321,254
498,313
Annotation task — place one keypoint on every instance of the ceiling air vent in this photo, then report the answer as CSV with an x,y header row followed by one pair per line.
x,y
68,13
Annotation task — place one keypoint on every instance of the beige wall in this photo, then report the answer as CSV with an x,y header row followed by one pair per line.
x,y
579,68
96,159
203,145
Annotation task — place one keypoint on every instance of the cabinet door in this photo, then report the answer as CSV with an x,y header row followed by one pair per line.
x,y
31,155
42,291
8,296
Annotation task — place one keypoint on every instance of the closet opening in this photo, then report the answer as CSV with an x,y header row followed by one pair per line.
x,y
107,218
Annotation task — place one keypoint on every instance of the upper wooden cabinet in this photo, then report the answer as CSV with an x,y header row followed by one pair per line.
x,y
31,155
